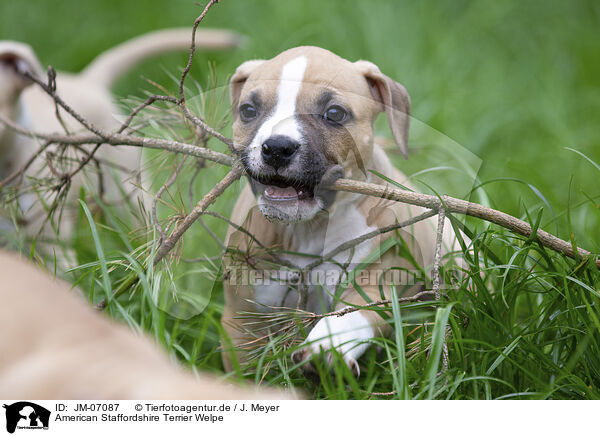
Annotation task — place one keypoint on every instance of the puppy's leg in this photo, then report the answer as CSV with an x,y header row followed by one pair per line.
x,y
348,334
236,342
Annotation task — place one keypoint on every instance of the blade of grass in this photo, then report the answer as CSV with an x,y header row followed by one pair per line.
x,y
107,287
400,347
437,344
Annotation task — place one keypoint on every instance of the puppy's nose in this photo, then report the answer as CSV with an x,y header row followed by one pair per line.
x,y
278,151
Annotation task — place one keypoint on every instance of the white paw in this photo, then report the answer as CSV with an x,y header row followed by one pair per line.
x,y
346,334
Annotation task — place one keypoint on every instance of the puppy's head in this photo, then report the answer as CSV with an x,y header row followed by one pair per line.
x,y
305,118
16,59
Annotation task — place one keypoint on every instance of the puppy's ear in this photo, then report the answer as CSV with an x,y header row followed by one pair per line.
x,y
394,100
236,83
16,59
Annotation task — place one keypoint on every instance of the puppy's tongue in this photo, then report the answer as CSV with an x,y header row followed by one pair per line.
x,y
276,193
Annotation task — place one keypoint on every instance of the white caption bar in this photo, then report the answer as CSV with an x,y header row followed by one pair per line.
x,y
297,417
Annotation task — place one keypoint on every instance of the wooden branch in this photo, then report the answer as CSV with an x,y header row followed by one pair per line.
x,y
438,252
455,205
452,205
187,68
157,197
50,89
350,309
123,139
436,277
168,244
18,173
198,122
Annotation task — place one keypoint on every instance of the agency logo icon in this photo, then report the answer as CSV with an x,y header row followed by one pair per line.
x,y
26,415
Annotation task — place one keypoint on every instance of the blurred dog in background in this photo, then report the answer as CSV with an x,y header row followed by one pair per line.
x,y
54,346
88,94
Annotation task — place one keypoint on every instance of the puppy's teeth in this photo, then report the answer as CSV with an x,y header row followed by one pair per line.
x,y
277,193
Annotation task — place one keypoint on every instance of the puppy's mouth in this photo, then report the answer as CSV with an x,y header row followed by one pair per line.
x,y
282,189
291,199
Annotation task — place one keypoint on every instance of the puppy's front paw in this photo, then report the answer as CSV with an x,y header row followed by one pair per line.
x,y
306,355
333,173
345,334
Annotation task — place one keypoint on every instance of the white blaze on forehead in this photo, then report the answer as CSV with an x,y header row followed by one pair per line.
x,y
282,121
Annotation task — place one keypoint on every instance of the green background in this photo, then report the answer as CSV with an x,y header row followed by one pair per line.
x,y
513,82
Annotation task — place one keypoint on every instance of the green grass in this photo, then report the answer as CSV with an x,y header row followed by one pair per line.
x,y
510,88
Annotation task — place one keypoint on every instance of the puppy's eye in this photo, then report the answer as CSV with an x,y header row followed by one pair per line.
x,y
247,112
335,114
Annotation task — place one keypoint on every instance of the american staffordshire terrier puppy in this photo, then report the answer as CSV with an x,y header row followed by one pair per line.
x,y
88,93
304,119
54,346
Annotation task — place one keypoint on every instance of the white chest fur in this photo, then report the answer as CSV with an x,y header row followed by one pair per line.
x,y
312,241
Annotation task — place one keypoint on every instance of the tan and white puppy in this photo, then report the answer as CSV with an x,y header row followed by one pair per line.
x,y
54,346
88,93
305,118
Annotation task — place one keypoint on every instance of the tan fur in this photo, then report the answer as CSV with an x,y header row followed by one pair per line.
x,y
54,346
88,94
363,88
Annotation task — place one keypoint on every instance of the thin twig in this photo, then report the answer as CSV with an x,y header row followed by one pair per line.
x,y
237,227
455,205
436,275
207,200
169,243
21,171
203,259
148,102
123,139
354,242
212,234
350,309
187,68
159,193
52,86
85,123
89,156
438,252
195,120
382,394
198,122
